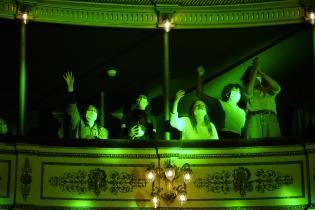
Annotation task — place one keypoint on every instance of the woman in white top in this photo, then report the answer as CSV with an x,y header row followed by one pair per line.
x,y
225,113
197,125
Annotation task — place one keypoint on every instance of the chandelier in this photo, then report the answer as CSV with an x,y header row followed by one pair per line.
x,y
164,182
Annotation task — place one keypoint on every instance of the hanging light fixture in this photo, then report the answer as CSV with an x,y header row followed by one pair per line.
x,y
166,22
164,182
167,25
165,15
310,15
23,12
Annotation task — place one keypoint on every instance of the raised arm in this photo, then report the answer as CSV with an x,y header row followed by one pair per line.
x,y
271,82
211,102
201,71
252,77
179,95
214,132
174,120
69,79
72,107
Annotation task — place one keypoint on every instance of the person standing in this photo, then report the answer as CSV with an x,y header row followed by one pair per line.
x,y
227,116
197,125
138,122
85,127
260,93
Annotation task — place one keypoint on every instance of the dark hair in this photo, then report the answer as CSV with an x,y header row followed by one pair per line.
x,y
226,92
245,78
148,108
193,119
140,93
87,106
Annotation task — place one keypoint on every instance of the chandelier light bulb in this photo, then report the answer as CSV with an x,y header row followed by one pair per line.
x,y
150,176
187,177
167,26
155,201
312,17
170,173
24,17
182,198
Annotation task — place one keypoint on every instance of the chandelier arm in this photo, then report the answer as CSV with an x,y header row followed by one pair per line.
x,y
158,169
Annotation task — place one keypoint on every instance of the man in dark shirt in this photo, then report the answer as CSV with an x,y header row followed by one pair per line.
x,y
138,122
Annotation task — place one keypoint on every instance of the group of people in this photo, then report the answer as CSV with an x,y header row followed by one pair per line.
x,y
212,118
208,117
136,123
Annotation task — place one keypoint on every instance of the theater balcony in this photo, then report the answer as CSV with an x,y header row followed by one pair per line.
x,y
42,39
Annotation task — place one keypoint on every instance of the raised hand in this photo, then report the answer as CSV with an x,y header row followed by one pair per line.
x,y
69,78
134,131
180,94
201,70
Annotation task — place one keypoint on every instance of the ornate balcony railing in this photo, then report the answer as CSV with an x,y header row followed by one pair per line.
x,y
272,174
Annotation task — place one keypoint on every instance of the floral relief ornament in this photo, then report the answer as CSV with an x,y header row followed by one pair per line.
x,y
26,179
242,181
97,181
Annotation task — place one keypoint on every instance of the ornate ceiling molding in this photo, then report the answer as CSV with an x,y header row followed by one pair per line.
x,y
262,14
144,13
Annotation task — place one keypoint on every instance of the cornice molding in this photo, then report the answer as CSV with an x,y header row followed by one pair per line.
x,y
8,9
145,16
262,14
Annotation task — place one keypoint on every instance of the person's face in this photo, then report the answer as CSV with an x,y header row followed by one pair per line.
x,y
199,105
142,101
3,127
91,113
235,95
200,109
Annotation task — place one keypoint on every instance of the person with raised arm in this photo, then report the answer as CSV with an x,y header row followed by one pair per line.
x,y
197,125
85,126
260,93
227,116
